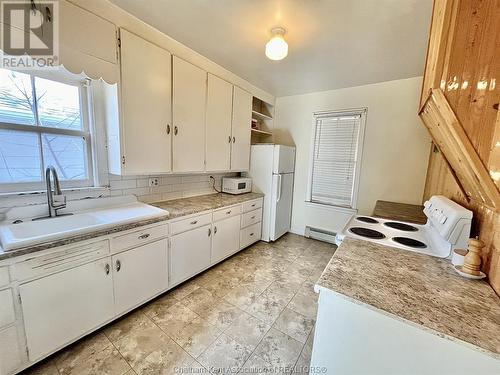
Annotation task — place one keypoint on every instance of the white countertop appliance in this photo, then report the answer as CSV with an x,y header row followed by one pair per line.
x,y
236,185
272,170
448,227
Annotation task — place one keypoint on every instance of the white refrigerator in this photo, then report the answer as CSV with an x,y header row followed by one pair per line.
x,y
272,170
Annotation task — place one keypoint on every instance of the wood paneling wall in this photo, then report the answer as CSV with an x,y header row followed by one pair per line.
x,y
464,61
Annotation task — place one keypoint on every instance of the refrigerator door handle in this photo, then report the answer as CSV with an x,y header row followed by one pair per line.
x,y
279,189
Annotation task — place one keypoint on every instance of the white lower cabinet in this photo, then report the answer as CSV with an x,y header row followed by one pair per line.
x,y
139,274
189,253
61,307
226,238
10,353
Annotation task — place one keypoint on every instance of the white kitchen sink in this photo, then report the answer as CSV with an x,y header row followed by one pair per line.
x,y
29,233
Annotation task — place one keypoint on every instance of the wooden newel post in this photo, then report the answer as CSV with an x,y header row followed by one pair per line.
x,y
472,261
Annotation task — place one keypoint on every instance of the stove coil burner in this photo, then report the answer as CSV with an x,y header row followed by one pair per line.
x,y
410,242
401,226
366,232
365,219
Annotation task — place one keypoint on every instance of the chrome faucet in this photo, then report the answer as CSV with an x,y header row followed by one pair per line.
x,y
55,199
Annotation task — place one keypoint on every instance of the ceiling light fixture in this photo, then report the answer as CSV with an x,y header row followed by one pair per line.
x,y
277,47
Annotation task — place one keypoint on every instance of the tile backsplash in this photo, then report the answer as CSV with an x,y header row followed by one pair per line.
x,y
169,187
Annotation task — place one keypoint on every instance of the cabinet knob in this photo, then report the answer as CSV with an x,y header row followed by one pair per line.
x,y
176,130
234,139
209,232
118,266
194,222
168,128
215,230
144,236
229,139
107,268
228,212
251,234
253,217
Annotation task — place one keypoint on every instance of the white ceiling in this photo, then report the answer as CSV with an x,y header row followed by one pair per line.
x,y
332,43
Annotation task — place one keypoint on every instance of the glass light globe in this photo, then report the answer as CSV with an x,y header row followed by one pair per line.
x,y
277,47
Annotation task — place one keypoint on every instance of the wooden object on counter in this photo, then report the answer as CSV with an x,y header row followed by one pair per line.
x,y
472,261
412,213
462,61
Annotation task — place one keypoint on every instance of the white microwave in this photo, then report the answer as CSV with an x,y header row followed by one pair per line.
x,y
236,185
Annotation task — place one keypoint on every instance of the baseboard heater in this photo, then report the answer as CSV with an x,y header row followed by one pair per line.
x,y
320,234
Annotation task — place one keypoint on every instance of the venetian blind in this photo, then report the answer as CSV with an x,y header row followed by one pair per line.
x,y
335,158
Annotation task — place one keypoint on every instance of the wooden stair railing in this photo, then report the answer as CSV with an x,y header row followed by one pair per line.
x,y
449,136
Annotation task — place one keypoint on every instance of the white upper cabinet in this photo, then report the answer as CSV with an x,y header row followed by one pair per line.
x,y
241,130
189,103
145,106
219,113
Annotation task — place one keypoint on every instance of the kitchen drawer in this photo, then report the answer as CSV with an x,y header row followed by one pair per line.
x,y
7,313
191,223
4,276
226,212
251,217
252,205
250,234
60,259
139,237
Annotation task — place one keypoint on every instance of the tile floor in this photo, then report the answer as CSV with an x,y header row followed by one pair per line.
x,y
253,313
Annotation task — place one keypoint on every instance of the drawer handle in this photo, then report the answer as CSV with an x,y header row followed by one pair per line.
x,y
253,217
194,222
253,205
228,212
107,268
215,230
118,266
251,234
144,236
209,232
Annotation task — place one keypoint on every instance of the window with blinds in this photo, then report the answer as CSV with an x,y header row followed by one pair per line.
x,y
335,157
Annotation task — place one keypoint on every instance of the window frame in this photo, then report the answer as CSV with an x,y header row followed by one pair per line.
x,y
87,131
363,112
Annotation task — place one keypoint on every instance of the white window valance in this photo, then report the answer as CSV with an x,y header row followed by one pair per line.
x,y
87,43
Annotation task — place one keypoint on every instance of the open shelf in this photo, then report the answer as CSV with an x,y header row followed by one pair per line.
x,y
261,132
261,115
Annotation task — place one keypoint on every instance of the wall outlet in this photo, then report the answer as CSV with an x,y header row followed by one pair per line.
x,y
154,181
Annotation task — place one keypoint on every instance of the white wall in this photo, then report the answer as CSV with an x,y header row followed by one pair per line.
x,y
395,150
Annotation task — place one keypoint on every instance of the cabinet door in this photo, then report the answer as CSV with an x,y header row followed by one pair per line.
x,y
189,253
189,96
226,238
139,274
145,104
219,114
10,355
61,307
241,129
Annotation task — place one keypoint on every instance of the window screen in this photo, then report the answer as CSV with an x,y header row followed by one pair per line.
x,y
335,157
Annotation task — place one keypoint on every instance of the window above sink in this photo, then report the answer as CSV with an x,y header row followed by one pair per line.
x,y
45,119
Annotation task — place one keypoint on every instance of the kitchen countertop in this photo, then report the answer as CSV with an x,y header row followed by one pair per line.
x,y
416,288
176,208
187,206
400,211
